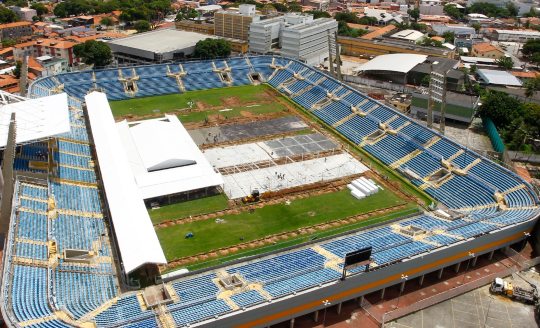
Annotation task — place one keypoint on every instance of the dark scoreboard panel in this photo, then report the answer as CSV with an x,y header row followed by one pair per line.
x,y
359,256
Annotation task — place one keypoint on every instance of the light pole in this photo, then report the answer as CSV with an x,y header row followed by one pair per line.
x,y
471,255
326,303
404,278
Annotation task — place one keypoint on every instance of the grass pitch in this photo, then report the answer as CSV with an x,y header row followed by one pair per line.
x,y
269,220
192,207
212,98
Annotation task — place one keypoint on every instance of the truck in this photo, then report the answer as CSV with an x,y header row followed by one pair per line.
x,y
525,295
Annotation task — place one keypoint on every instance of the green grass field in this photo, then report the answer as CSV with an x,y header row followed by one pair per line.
x,y
268,220
192,207
179,101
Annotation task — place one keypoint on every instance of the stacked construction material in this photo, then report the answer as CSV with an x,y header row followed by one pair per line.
x,y
362,187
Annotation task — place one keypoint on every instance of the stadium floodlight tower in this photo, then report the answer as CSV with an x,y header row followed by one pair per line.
x,y
437,94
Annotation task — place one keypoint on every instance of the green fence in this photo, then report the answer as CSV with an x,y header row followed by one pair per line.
x,y
491,130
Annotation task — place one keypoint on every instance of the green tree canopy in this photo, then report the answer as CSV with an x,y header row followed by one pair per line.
x,y
17,70
530,48
107,21
449,36
294,7
212,48
319,14
7,16
39,8
345,30
94,52
414,14
452,11
505,62
489,9
500,107
186,13
142,26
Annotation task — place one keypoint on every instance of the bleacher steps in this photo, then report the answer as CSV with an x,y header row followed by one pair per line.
x,y
372,108
453,157
391,119
343,120
31,241
33,198
372,142
36,321
29,261
521,186
103,307
332,260
432,141
443,181
74,154
92,215
80,142
142,303
75,183
165,318
259,288
470,166
402,126
405,159
172,293
29,210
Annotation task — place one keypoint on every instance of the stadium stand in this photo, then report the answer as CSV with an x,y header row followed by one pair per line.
x,y
41,289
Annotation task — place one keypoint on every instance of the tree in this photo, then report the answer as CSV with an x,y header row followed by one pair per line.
x,y
294,7
347,17
500,107
535,59
488,9
531,47
142,26
345,30
452,11
7,16
8,43
39,8
531,87
94,52
449,36
505,62
17,70
414,14
476,27
319,14
107,21
280,7
513,11
186,13
212,48
429,42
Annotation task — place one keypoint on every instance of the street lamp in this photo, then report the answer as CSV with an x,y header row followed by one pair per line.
x,y
404,278
471,255
326,303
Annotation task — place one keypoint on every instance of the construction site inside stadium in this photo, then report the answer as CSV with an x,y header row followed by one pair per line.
x,y
231,193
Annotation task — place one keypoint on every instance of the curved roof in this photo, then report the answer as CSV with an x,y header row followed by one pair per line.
x,y
401,63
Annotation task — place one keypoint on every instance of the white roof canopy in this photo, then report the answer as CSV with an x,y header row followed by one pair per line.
x,y
164,158
401,63
36,118
130,218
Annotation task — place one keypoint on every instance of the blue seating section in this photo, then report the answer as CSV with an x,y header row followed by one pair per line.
x,y
198,312
76,174
28,292
198,288
73,197
519,198
72,160
248,298
423,164
81,293
493,175
76,232
126,307
32,226
33,191
74,148
390,148
31,251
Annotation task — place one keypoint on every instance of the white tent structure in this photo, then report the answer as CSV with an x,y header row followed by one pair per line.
x,y
401,63
135,234
36,118
164,158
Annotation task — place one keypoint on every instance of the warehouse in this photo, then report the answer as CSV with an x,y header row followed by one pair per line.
x,y
156,46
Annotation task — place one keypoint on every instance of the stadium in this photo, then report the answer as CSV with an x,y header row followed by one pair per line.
x,y
81,248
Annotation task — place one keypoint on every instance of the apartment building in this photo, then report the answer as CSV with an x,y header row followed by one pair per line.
x,y
235,24
47,47
15,30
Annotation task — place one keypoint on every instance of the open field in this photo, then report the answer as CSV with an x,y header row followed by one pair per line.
x,y
272,219
193,207
236,101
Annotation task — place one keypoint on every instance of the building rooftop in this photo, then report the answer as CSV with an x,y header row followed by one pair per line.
x,y
410,35
494,77
14,24
485,47
162,41
401,63
519,32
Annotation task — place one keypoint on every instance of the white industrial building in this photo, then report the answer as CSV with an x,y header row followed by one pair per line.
x,y
515,35
409,35
156,46
299,36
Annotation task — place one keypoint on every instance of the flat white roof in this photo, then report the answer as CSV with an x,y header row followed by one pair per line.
x,y
162,41
36,118
135,234
164,159
469,59
499,77
401,63
411,35
519,32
